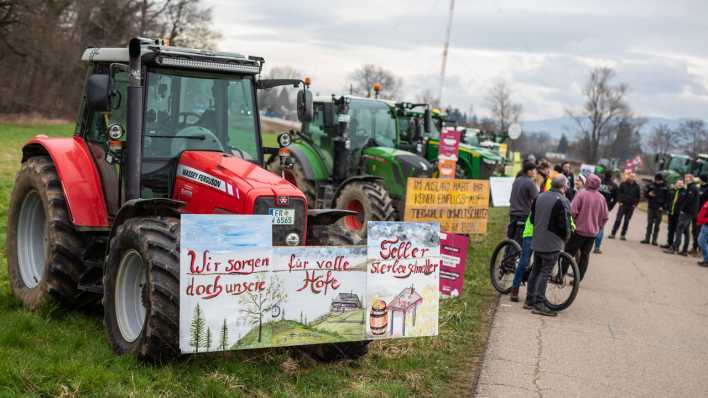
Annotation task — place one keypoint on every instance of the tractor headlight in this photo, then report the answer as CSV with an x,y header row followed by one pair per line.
x,y
285,139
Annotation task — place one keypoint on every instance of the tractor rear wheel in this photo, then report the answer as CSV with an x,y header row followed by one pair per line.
x,y
295,176
141,289
370,199
44,251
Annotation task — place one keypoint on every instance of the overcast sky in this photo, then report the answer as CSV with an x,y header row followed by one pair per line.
x,y
543,48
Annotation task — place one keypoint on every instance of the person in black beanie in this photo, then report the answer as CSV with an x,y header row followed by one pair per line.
x,y
657,195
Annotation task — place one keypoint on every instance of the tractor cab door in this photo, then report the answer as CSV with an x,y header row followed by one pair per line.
x,y
93,127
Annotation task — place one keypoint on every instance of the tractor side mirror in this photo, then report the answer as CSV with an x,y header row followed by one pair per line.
x,y
427,120
98,93
305,107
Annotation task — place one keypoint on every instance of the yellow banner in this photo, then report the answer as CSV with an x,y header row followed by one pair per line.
x,y
460,206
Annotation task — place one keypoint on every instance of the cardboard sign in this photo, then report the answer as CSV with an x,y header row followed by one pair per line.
x,y
453,257
587,169
237,291
402,279
447,152
501,190
460,206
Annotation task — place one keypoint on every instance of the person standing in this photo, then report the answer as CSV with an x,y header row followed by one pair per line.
x,y
608,189
684,207
672,216
550,217
702,198
657,196
693,189
543,177
628,196
523,192
702,221
589,210
570,190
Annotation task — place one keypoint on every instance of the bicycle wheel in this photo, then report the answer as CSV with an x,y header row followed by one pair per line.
x,y
563,284
503,264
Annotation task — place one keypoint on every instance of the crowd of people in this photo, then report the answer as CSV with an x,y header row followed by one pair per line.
x,y
553,210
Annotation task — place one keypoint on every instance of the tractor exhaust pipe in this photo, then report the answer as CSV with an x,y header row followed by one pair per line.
x,y
134,157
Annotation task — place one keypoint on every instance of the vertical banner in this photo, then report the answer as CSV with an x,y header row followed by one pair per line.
x,y
225,262
402,279
447,152
453,258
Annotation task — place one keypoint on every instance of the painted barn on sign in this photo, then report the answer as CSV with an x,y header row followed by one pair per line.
x,y
345,302
407,300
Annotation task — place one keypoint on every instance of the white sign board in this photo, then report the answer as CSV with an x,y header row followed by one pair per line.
x,y
501,190
514,131
587,169
237,291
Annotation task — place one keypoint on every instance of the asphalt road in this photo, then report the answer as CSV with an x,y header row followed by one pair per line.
x,y
638,328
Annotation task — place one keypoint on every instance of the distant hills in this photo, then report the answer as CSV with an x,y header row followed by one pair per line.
x,y
557,126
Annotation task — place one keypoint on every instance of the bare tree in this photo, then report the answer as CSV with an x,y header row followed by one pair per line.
x,y
504,111
362,81
255,305
604,104
692,136
662,139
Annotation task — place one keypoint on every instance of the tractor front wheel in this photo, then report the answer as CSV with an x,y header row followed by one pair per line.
x,y
43,248
370,199
141,289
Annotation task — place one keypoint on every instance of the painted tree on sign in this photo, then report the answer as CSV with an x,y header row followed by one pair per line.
x,y
224,337
197,329
207,340
256,304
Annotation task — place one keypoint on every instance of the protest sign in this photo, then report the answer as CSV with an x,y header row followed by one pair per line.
x,y
453,257
587,169
460,205
500,188
447,152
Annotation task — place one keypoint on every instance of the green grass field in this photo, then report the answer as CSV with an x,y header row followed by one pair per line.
x,y
54,352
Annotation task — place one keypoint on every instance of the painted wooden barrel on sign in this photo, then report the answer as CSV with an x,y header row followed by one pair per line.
x,y
378,318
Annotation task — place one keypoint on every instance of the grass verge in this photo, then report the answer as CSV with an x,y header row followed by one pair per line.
x,y
53,352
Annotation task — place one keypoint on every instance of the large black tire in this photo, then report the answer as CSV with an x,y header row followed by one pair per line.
x,y
55,268
503,263
371,199
296,176
156,241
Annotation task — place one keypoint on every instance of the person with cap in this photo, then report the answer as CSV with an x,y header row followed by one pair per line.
x,y
523,192
589,211
550,217
608,189
684,208
628,195
657,195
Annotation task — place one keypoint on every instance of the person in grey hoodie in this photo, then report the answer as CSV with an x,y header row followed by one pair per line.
x,y
550,217
589,210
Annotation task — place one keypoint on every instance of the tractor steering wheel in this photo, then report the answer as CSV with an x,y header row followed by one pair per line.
x,y
203,139
184,116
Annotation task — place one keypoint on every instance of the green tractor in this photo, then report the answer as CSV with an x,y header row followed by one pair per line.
x,y
473,162
347,157
675,166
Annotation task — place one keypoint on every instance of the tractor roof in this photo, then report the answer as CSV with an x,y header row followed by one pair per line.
x,y
328,98
180,57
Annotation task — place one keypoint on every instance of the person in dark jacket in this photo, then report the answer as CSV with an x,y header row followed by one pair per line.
x,y
550,217
694,184
570,190
683,206
628,195
657,195
523,192
608,189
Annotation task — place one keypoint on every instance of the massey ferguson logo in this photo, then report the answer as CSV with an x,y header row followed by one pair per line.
x,y
283,200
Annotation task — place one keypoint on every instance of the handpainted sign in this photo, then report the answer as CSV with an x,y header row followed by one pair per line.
x,y
453,257
460,205
240,292
587,169
402,279
447,152
500,188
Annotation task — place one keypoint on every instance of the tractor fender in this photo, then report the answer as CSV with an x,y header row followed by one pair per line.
x,y
364,177
78,176
146,207
299,155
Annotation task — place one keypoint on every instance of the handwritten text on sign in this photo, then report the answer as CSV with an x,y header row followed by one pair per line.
x,y
460,206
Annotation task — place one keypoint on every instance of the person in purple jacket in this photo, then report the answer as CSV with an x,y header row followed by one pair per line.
x,y
589,210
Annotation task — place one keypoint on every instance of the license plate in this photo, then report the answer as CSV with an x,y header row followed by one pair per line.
x,y
282,216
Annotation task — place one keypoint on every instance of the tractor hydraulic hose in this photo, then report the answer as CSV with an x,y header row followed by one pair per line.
x,y
133,162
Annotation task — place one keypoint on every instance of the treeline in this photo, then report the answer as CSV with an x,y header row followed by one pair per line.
x,y
41,42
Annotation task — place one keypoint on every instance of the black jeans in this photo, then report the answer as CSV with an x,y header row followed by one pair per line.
x,y
683,228
673,221
538,280
582,244
625,211
695,231
653,223
515,228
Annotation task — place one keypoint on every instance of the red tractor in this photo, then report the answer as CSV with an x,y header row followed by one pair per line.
x,y
162,131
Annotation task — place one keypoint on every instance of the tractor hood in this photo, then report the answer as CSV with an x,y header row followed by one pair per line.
x,y
487,155
411,165
227,183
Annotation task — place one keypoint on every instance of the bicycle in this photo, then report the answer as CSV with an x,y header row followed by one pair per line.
x,y
563,283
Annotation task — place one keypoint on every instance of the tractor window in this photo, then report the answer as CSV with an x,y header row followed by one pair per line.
x,y
315,128
371,119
